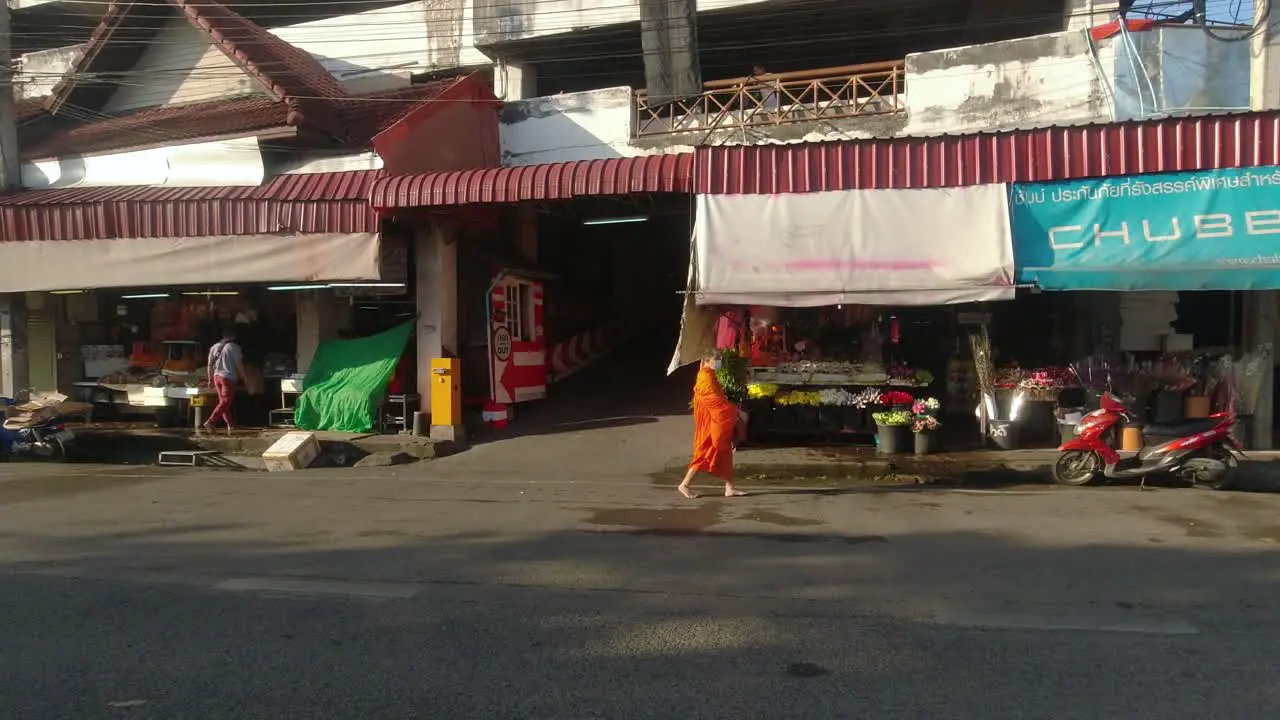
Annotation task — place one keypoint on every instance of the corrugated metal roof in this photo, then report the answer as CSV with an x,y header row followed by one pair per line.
x,y
1037,155
552,181
313,202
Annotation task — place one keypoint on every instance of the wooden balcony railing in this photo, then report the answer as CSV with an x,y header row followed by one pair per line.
x,y
777,99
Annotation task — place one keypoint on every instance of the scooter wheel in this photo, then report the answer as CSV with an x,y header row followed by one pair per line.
x,y
1230,475
59,451
1075,468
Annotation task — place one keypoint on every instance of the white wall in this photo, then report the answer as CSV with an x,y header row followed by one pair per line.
x,y
1081,14
40,71
179,66
414,37
575,126
1042,80
222,163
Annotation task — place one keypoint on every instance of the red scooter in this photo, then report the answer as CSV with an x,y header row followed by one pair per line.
x,y
1199,451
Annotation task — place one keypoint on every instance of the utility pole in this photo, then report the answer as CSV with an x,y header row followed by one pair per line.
x,y
13,352
1264,58
8,111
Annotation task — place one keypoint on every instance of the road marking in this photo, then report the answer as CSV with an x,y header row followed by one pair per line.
x,y
1008,621
307,586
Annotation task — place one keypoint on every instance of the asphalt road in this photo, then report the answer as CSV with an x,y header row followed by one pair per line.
x,y
448,590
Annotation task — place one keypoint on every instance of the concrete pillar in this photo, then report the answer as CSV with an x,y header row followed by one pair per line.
x,y
436,265
1260,316
669,38
321,316
14,375
1083,14
515,81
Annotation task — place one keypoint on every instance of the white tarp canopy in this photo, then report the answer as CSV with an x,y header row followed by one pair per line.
x,y
697,328
44,265
934,246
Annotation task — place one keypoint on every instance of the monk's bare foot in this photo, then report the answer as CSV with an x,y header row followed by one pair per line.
x,y
685,491
730,492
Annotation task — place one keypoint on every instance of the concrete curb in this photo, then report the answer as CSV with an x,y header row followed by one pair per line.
x,y
143,448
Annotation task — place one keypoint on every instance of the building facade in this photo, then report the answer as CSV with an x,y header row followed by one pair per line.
x,y
156,125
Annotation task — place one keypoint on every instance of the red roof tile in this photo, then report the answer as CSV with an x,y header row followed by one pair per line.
x,y
287,73
363,116
175,125
29,108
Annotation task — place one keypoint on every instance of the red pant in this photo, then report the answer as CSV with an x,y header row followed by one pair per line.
x,y
226,388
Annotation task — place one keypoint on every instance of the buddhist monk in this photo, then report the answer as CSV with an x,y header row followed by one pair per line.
x,y
715,420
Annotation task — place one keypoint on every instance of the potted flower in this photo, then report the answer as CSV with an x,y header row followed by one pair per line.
x,y
925,424
892,427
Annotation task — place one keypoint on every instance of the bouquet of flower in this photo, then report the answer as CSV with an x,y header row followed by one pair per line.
x,y
896,397
1008,377
922,423
865,398
1050,377
836,397
925,411
892,418
758,391
733,374
798,397
901,373
926,406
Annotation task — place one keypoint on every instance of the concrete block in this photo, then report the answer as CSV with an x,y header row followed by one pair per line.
x,y
293,451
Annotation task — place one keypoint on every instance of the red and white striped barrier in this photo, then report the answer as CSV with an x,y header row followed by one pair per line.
x,y
566,358
496,415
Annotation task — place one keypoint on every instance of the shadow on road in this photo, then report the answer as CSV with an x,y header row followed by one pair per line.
x,y
652,620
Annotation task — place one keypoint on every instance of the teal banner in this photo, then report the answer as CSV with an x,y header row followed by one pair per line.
x,y
1212,230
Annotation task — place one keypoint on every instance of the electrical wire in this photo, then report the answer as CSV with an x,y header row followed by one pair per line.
x,y
88,115
704,47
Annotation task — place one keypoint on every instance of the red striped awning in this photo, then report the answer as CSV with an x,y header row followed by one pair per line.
x,y
1174,144
551,181
334,202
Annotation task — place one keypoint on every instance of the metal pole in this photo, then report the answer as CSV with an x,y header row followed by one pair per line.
x,y
8,112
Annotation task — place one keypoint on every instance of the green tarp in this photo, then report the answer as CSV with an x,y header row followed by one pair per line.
x,y
348,379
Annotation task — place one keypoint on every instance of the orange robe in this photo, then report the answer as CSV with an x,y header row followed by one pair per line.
x,y
715,420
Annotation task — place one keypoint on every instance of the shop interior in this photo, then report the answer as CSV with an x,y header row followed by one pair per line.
x,y
142,351
1009,375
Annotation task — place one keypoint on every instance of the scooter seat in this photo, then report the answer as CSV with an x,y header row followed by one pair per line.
x,y
1182,428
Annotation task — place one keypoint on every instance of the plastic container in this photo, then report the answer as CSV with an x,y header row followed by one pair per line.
x,y
926,442
1131,438
1066,432
1003,433
892,439
1196,407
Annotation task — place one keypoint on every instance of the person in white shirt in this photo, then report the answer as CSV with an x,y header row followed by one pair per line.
x,y
226,370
